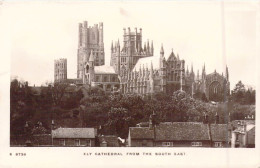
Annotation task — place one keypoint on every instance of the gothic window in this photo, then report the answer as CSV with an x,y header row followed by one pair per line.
x,y
93,36
87,68
215,90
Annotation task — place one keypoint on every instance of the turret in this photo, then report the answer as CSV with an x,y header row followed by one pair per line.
x,y
101,33
227,75
152,48
148,46
187,72
162,51
80,34
144,47
161,57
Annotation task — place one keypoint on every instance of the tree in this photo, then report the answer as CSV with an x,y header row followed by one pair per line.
x,y
58,90
242,96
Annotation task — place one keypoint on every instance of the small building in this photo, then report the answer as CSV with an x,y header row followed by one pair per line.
x,y
220,135
108,141
179,134
243,135
73,137
176,134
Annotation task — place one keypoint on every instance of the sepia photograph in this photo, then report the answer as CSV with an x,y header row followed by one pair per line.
x,y
128,75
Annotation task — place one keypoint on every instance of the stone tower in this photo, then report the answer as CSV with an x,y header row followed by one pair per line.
x,y
90,39
60,69
124,58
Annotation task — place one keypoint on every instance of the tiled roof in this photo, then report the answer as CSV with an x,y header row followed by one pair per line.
x,y
182,131
173,131
104,69
141,133
73,133
219,132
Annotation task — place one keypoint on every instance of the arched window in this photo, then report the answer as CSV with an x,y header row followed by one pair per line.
x,y
93,36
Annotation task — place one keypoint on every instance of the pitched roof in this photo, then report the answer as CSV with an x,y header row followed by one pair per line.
x,y
173,131
73,133
219,132
182,131
104,69
141,133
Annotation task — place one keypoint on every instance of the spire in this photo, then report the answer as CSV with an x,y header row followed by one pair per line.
x,y
144,46
162,50
178,57
151,70
187,72
227,75
91,57
152,47
191,68
118,43
148,46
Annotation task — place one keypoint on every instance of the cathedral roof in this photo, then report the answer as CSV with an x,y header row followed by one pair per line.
x,y
146,62
104,69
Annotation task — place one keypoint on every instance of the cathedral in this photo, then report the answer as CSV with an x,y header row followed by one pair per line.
x,y
134,68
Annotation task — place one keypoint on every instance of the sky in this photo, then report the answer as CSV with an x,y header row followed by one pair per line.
x,y
39,32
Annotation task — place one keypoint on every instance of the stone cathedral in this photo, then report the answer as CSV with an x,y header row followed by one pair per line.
x,y
135,68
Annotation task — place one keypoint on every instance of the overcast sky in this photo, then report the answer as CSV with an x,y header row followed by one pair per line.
x,y
43,31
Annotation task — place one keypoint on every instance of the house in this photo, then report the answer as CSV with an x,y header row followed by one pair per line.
x,y
176,134
179,134
243,135
74,137
220,135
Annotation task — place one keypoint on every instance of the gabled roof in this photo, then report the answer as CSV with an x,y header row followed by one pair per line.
x,y
104,69
219,132
189,131
171,57
176,131
73,133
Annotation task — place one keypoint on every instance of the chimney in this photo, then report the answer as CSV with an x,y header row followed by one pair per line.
x,y
216,118
206,119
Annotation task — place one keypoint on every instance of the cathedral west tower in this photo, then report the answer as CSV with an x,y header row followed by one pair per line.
x,y
90,39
